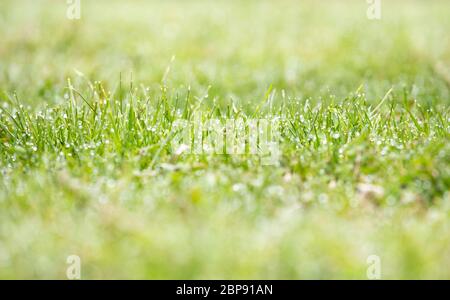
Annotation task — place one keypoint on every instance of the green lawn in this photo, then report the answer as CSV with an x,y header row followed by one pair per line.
x,y
90,165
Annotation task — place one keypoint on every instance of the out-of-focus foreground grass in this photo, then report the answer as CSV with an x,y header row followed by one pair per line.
x,y
355,178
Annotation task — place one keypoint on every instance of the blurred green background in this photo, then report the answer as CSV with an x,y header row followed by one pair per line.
x,y
238,48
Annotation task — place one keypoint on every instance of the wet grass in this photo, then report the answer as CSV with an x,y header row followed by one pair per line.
x,y
89,168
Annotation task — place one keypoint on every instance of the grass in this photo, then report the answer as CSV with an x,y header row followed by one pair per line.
x,y
88,167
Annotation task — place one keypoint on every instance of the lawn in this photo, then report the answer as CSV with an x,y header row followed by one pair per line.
x,y
93,168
